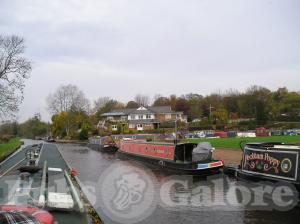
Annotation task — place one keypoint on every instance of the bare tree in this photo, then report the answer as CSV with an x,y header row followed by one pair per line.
x,y
100,103
14,70
142,100
67,97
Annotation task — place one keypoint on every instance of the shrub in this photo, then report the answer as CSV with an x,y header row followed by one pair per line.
x,y
5,138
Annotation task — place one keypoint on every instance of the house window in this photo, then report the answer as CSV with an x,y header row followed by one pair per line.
x,y
131,126
140,117
132,117
168,116
114,127
110,118
148,116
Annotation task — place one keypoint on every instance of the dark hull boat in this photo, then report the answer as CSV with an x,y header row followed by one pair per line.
x,y
270,161
185,158
102,144
109,148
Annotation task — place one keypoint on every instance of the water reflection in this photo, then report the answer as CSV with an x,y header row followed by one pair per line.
x,y
190,204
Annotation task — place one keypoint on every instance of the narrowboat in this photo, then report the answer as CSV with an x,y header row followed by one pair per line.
x,y
103,144
270,161
186,158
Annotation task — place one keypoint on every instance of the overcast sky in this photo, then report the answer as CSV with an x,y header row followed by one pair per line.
x,y
119,48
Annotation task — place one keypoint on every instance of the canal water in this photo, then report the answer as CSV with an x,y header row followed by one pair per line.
x,y
175,205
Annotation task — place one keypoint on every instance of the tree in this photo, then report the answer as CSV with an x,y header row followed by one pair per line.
x,y
132,104
33,127
60,127
195,102
70,124
260,99
14,70
161,101
142,100
109,106
220,116
173,100
67,97
182,105
9,128
100,102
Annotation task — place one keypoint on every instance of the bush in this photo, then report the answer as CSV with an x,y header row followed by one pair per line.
x,y
5,138
83,135
149,139
167,124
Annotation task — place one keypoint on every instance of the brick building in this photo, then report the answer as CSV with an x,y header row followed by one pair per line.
x,y
143,118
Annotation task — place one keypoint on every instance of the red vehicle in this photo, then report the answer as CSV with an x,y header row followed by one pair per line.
x,y
221,134
261,132
21,214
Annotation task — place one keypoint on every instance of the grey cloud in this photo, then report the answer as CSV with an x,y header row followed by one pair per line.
x,y
120,48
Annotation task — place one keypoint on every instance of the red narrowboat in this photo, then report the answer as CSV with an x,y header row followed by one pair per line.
x,y
187,158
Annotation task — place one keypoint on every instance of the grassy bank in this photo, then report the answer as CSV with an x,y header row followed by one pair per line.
x,y
234,143
8,148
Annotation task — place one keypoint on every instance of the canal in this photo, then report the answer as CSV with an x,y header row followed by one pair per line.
x,y
176,204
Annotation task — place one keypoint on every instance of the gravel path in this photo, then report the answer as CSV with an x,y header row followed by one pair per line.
x,y
230,156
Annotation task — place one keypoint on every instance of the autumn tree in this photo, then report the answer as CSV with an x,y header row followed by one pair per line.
x,y
70,109
14,70
33,127
161,101
182,105
195,102
173,100
220,116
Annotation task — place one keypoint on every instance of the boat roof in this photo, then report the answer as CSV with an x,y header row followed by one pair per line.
x,y
156,143
276,145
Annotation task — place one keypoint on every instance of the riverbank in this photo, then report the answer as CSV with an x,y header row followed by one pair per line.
x,y
230,156
7,149
234,143
64,141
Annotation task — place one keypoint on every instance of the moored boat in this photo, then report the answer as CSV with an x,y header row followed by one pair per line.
x,y
103,144
187,158
271,161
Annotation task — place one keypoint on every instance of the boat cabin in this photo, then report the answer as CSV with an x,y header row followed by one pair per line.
x,y
271,160
179,153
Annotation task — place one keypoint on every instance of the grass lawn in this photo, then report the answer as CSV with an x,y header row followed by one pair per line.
x,y
233,143
7,148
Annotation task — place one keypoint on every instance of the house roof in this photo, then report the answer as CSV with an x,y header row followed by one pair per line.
x,y
161,109
153,110
112,114
119,112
